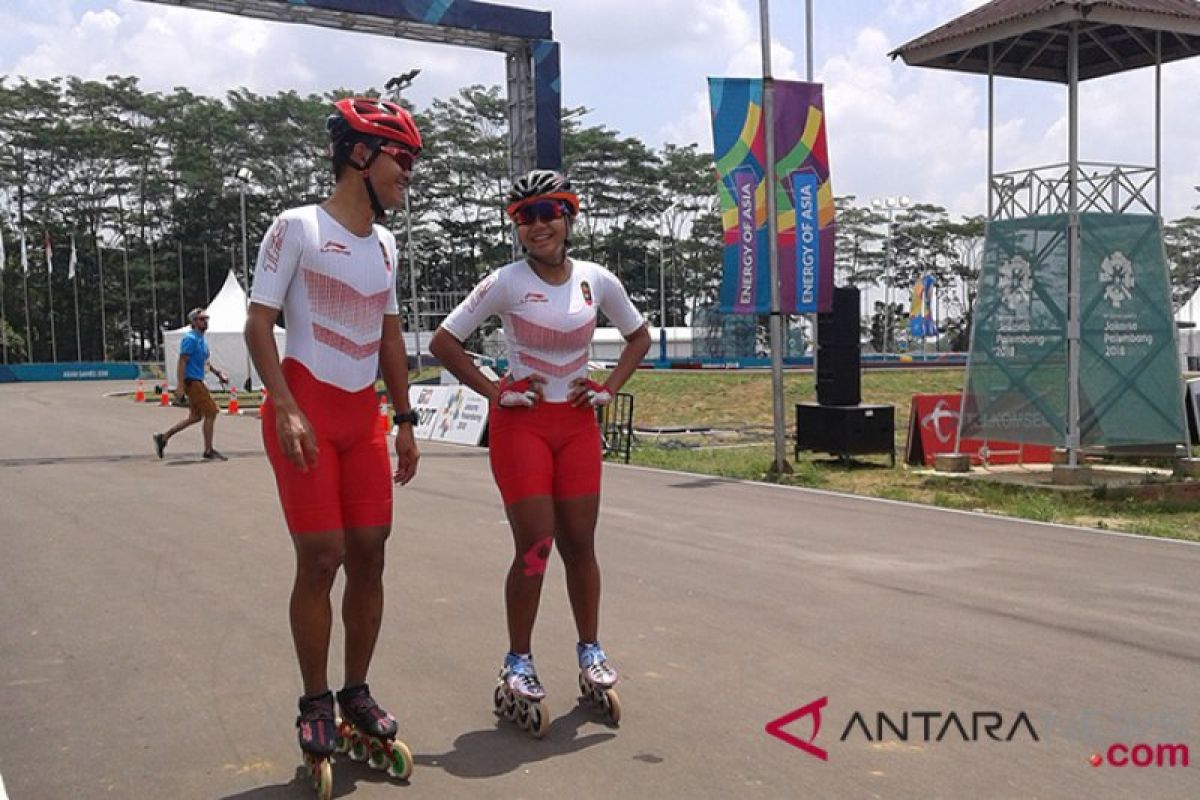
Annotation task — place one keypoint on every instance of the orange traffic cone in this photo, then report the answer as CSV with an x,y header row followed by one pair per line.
x,y
140,395
385,424
164,399
233,401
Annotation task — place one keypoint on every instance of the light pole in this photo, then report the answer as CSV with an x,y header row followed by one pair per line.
x,y
662,281
397,85
243,179
889,205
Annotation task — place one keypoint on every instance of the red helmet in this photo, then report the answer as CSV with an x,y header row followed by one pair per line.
x,y
370,117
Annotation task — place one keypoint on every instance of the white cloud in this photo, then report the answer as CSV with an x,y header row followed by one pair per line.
x,y
641,64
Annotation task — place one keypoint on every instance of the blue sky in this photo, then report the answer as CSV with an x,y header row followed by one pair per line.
x,y
641,66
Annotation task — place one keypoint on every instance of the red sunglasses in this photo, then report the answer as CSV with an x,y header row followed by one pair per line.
x,y
405,158
540,211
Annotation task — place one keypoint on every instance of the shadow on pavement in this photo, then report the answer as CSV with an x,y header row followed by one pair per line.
x,y
505,748
478,754
48,461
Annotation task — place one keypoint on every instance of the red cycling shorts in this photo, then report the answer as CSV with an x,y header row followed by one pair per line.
x,y
550,449
351,485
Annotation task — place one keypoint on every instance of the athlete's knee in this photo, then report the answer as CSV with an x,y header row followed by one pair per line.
x,y
320,567
364,563
576,549
535,559
211,414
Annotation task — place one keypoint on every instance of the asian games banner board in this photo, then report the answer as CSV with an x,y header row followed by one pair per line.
x,y
804,196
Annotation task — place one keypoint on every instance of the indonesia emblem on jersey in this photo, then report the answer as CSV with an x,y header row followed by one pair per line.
x,y
387,262
587,292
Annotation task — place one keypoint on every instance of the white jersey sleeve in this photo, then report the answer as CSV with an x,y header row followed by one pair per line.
x,y
489,297
390,252
615,303
278,259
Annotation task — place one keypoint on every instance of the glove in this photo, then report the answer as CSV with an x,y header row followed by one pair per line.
x,y
517,394
597,394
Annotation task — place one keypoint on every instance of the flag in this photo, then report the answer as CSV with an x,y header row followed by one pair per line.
x,y
49,255
804,197
72,262
24,256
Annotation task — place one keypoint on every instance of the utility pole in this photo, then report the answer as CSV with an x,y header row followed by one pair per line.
x,y
397,85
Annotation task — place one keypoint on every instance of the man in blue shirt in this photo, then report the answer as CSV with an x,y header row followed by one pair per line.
x,y
193,359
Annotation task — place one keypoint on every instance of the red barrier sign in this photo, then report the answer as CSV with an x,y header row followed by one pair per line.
x,y
933,429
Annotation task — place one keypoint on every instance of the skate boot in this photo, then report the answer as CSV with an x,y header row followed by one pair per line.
x,y
368,733
317,734
519,694
597,679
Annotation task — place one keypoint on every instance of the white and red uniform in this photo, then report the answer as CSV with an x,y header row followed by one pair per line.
x,y
547,329
334,288
553,448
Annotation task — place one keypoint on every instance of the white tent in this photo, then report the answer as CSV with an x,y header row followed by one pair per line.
x,y
226,345
1189,336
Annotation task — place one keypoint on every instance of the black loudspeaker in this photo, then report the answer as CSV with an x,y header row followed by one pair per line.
x,y
839,362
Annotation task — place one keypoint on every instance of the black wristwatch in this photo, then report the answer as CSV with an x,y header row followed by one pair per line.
x,y
409,416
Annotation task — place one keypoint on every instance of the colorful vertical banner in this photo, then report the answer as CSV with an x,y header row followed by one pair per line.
x,y
804,196
920,315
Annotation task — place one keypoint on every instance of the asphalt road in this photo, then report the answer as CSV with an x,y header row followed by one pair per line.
x,y
145,652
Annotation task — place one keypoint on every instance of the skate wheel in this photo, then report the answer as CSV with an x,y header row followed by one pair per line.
x,y
539,720
321,773
400,764
521,714
358,747
324,783
377,756
498,698
343,737
612,705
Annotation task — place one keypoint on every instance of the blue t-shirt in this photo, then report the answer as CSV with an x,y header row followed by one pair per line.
x,y
195,347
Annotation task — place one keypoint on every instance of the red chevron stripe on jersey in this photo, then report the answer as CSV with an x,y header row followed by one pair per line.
x,y
343,345
334,300
550,370
530,334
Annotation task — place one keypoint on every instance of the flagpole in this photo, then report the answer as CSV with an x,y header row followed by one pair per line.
x,y
73,270
207,291
3,315
780,466
128,301
153,302
25,281
50,290
103,315
182,310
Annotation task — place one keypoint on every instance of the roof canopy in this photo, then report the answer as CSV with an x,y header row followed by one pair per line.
x,y
1029,37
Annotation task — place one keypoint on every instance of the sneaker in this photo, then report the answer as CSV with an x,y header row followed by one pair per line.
x,y
160,444
214,455
594,664
521,676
